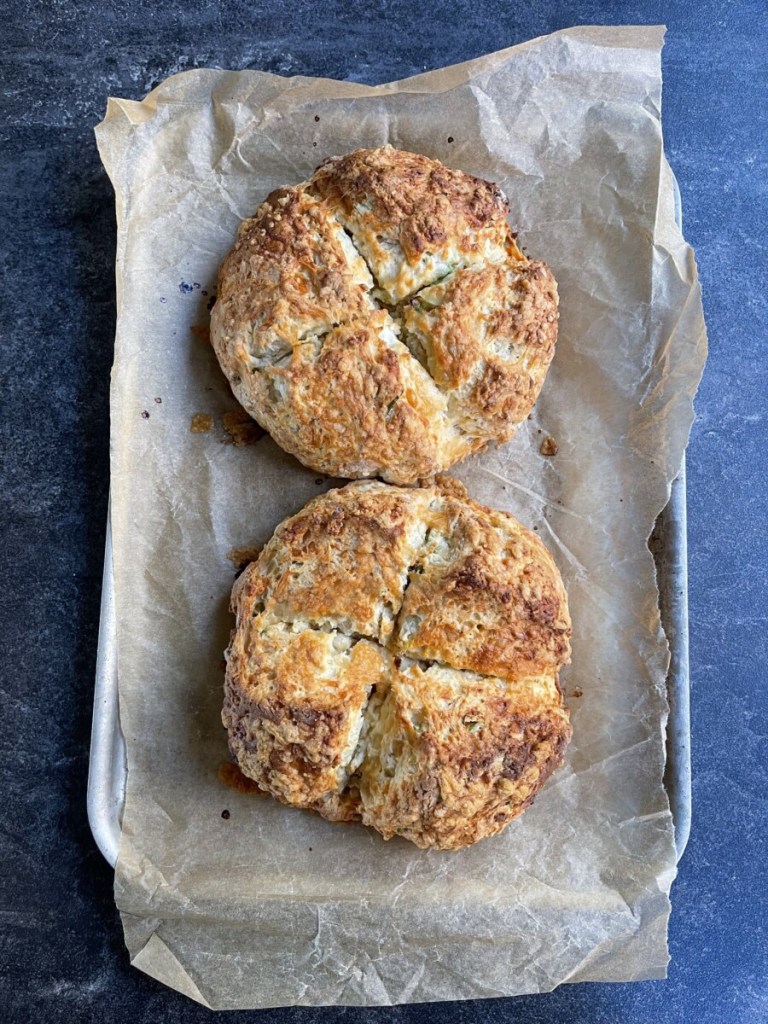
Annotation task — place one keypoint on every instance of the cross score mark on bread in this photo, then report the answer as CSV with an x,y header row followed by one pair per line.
x,y
395,660
380,320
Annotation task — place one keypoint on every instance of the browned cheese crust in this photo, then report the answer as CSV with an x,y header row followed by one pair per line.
x,y
380,320
395,659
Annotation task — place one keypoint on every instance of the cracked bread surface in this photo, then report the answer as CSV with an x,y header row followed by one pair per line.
x,y
380,320
395,660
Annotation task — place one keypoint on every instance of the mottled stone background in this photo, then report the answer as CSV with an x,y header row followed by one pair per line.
x,y
61,951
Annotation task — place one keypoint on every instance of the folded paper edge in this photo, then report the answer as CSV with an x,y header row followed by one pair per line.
x,y
156,959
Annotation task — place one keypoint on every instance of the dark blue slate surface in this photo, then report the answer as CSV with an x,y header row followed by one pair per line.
x,y
61,952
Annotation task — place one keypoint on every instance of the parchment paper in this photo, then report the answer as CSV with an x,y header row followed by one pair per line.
x,y
274,906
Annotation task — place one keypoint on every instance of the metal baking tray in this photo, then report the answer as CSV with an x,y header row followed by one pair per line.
x,y
668,542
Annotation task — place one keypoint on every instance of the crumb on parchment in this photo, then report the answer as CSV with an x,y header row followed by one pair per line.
x,y
201,423
240,429
202,332
231,776
548,446
240,557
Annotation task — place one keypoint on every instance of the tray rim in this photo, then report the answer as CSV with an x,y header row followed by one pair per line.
x,y
107,767
107,771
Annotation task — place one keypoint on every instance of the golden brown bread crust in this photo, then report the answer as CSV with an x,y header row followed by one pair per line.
x,y
301,710
489,598
453,757
380,320
488,336
413,218
340,389
395,658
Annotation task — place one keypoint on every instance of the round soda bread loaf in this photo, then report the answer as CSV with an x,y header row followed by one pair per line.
x,y
395,660
380,320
